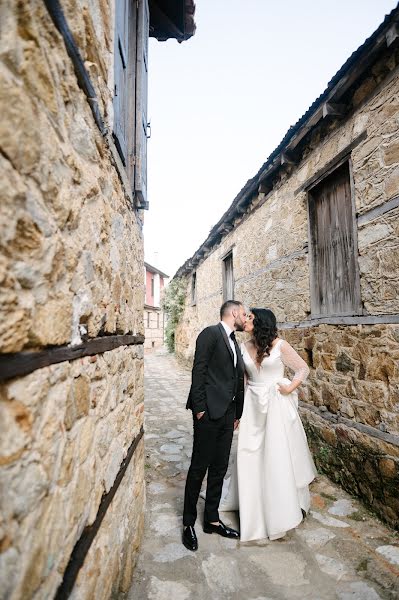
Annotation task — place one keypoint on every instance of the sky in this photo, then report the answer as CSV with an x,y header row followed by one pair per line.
x,y
221,102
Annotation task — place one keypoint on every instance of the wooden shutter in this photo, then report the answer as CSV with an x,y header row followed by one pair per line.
x,y
140,184
121,49
335,288
228,278
125,82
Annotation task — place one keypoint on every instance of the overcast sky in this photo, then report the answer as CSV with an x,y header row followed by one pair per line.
x,y
222,101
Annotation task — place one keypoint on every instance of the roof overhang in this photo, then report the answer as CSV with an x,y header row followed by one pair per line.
x,y
328,105
152,269
172,19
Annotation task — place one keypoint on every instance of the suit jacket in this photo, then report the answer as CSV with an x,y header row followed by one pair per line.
x,y
215,380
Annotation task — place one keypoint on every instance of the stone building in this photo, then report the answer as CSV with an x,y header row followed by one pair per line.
x,y
73,183
154,316
314,235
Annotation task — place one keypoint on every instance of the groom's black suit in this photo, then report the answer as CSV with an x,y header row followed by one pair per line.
x,y
218,389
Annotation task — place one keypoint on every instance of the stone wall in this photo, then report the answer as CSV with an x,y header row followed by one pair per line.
x,y
354,372
66,431
71,264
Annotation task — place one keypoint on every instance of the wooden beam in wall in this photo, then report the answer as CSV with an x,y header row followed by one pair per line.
x,y
19,364
332,109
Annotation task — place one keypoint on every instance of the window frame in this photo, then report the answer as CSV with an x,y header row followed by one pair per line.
x,y
227,257
313,279
194,289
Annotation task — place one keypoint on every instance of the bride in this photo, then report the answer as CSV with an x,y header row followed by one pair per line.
x,y
273,468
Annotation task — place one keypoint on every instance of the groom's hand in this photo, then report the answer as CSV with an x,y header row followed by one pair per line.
x,y
236,423
200,415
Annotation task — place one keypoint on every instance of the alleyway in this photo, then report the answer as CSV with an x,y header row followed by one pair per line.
x,y
338,552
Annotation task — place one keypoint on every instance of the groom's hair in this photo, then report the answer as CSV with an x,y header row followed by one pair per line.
x,y
227,306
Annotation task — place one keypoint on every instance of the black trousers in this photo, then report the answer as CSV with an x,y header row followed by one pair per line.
x,y
211,451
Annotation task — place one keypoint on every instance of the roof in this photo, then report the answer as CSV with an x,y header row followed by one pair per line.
x,y
152,269
172,19
324,106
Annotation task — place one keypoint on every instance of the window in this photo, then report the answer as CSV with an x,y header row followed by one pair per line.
x,y
130,91
152,287
194,289
148,319
334,277
157,320
228,278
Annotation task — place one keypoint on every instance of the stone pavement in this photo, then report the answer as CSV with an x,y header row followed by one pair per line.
x,y
339,552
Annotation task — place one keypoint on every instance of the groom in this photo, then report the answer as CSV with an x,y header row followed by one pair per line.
x,y
216,399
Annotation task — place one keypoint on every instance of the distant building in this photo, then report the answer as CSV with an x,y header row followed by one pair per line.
x,y
153,314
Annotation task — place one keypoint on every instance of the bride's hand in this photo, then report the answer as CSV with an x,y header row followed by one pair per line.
x,y
284,389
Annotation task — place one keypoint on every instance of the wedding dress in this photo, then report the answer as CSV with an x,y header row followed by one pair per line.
x,y
273,466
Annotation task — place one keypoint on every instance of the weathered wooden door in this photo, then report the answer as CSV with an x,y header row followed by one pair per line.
x,y
335,286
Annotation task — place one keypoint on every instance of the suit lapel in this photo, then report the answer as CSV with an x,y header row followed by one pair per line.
x,y
226,341
240,360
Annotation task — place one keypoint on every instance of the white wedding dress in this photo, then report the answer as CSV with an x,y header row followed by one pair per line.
x,y
273,466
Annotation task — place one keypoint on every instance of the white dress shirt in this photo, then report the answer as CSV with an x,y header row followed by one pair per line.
x,y
232,345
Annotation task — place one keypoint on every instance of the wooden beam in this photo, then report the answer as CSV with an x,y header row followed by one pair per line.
x,y
286,158
269,169
226,228
378,211
345,320
331,109
241,210
265,187
19,364
392,34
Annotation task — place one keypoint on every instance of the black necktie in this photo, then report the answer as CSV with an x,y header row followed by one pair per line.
x,y
233,336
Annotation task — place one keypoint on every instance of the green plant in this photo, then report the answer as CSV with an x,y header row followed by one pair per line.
x,y
173,305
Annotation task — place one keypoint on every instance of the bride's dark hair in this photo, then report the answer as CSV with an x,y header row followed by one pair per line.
x,y
265,331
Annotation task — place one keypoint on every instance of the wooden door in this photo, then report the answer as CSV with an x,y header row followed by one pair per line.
x,y
335,286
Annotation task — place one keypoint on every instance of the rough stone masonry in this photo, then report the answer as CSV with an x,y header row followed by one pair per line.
x,y
71,264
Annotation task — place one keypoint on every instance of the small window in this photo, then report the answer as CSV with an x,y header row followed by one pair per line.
x,y
228,278
334,277
148,320
194,289
152,286
157,320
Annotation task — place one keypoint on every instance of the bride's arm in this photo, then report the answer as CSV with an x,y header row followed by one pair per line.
x,y
292,360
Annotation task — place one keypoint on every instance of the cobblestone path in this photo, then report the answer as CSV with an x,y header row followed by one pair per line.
x,y
339,552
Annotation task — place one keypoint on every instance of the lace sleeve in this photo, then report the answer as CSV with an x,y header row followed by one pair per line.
x,y
292,360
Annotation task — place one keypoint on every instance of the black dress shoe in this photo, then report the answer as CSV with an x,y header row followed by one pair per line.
x,y
189,538
221,529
